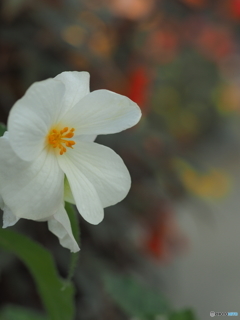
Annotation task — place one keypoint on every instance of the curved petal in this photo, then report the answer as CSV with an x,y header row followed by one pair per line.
x,y
102,112
9,219
32,116
31,190
76,87
60,225
84,194
104,169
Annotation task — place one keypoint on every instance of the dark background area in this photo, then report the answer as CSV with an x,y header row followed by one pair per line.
x,y
179,60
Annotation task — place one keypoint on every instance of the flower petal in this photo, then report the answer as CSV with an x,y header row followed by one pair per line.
x,y
76,87
102,112
85,195
9,219
32,116
86,138
31,190
60,225
104,169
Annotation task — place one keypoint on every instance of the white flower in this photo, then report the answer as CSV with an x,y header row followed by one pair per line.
x,y
50,137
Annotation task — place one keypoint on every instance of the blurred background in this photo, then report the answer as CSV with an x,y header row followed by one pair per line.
x,y
175,239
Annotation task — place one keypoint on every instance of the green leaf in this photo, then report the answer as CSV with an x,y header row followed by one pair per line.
x,y
12,312
134,298
183,315
57,302
3,128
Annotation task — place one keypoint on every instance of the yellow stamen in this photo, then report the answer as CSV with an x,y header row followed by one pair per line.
x,y
57,138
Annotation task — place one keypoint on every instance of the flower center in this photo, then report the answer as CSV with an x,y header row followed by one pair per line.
x,y
59,139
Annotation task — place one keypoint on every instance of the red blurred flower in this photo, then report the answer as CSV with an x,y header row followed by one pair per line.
x,y
162,46
138,91
164,238
216,42
234,8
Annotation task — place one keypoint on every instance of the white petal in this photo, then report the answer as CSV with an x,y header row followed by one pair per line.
x,y
76,87
85,195
102,112
60,225
104,169
32,116
9,219
31,190
86,138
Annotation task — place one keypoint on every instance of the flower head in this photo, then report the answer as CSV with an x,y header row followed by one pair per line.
x,y
50,139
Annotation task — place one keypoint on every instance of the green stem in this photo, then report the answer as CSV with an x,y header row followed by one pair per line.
x,y
76,233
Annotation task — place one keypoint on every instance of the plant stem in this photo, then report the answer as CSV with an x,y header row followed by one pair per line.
x,y
76,233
